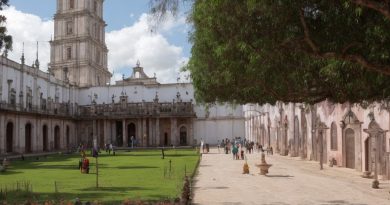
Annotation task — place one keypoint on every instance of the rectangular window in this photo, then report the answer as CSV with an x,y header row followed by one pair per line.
x,y
69,27
97,57
71,4
94,6
69,53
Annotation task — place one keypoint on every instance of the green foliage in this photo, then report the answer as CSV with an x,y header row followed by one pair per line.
x,y
136,175
5,40
263,51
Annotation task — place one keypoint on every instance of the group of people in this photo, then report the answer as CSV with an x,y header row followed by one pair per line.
x,y
238,147
109,148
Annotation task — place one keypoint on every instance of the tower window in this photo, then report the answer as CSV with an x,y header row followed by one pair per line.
x,y
71,4
69,27
97,57
69,53
94,6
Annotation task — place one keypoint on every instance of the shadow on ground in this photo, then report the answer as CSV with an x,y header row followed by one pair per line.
x,y
279,176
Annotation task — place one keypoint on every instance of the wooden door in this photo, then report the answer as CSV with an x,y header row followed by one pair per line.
x,y
350,148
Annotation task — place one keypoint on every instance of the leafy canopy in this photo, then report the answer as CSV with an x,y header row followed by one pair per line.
x,y
263,51
5,40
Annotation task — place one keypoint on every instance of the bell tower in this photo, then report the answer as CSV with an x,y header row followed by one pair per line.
x,y
78,50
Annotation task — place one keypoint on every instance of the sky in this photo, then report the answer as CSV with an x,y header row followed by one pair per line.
x,y
129,37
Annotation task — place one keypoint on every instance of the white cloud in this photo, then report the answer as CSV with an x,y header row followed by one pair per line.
x,y
150,47
126,46
29,28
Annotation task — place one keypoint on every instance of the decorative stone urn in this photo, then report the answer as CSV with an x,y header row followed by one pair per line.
x,y
263,166
246,168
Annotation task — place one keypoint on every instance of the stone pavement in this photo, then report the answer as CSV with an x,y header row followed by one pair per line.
x,y
290,181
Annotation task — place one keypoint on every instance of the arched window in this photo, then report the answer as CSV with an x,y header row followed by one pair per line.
x,y
71,4
333,136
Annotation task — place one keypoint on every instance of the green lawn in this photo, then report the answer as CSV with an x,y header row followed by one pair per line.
x,y
137,175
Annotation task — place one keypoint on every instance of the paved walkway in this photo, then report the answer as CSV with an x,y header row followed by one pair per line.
x,y
290,181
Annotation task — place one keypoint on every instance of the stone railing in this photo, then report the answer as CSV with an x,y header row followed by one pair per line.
x,y
60,109
115,109
138,109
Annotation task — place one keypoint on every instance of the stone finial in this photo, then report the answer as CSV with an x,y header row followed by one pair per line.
x,y
22,59
37,59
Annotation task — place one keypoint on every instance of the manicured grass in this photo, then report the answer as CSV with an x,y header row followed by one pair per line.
x,y
136,175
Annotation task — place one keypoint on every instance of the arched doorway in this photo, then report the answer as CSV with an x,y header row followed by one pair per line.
x,y
57,144
67,137
131,133
369,157
166,140
296,137
183,136
27,135
303,142
333,136
44,138
350,148
10,137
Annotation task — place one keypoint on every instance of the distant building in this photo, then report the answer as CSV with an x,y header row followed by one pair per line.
x,y
74,102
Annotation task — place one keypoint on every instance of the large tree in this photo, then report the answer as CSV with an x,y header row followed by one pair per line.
x,y
5,40
263,51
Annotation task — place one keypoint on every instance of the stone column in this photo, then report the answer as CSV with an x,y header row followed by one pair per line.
x,y
94,133
2,133
36,143
139,132
113,132
106,131
124,137
151,137
191,132
144,134
174,131
158,142
18,135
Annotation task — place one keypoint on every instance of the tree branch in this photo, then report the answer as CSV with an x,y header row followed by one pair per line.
x,y
306,32
383,69
381,8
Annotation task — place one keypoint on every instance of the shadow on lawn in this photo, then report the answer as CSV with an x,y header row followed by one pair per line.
x,y
117,195
136,167
116,189
9,172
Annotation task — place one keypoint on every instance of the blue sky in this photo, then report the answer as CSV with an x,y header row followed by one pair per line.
x,y
124,16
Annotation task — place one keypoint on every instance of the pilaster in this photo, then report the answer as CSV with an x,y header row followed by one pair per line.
x,y
124,132
2,133
174,131
158,142
145,134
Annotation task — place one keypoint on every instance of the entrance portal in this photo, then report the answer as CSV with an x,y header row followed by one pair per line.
x,y
119,131
44,138
28,147
57,138
130,134
350,148
10,136
166,139
183,136
67,137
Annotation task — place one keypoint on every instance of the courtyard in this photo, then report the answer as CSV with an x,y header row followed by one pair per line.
x,y
136,175
290,181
